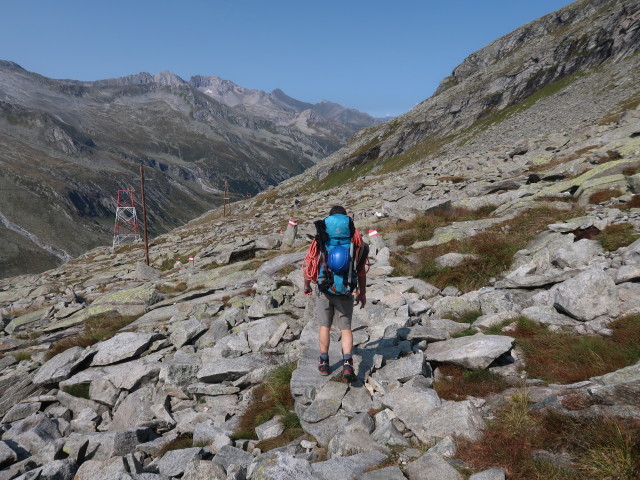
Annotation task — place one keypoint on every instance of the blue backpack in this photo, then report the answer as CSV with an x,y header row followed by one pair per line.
x,y
337,270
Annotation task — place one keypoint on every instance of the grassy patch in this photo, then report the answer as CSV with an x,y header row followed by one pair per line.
x,y
183,441
604,196
341,177
172,288
563,358
633,203
80,390
468,316
494,250
96,329
22,355
271,398
458,382
452,179
422,227
597,448
615,236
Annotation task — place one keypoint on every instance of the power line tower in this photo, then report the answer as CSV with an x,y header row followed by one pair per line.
x,y
126,228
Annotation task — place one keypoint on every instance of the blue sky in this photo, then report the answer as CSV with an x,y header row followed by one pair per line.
x,y
381,57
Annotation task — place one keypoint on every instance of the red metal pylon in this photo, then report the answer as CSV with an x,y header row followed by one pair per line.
x,y
126,228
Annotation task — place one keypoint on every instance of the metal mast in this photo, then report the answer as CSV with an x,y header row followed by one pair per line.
x,y
126,229
226,199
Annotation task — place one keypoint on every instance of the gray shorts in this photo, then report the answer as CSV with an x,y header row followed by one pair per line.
x,y
338,308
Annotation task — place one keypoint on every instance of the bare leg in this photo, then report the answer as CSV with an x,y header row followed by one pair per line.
x,y
324,339
346,340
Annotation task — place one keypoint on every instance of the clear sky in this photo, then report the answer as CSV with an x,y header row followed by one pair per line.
x,y
378,56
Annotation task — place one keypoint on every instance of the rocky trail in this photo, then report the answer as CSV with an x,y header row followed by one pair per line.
x,y
107,364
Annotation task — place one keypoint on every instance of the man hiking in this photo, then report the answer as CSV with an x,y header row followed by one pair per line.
x,y
336,261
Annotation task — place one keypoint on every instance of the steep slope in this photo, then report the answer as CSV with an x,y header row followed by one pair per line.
x,y
578,64
68,146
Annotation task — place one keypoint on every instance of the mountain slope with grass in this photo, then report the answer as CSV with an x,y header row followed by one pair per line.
x,y
573,66
499,340
68,146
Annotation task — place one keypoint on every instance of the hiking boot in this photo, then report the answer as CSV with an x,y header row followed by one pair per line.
x,y
323,366
347,369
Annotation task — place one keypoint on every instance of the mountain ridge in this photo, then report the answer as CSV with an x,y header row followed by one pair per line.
x,y
82,141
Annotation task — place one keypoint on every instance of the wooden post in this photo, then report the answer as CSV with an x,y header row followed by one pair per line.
x,y
144,215
226,199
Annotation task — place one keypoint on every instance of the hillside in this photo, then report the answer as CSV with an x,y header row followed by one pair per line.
x,y
574,66
68,146
499,340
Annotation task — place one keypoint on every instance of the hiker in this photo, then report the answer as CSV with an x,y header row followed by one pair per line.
x,y
336,262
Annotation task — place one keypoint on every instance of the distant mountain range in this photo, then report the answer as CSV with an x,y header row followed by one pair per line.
x,y
67,146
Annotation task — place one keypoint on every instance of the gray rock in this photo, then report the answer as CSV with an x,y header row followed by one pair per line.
x,y
459,419
452,259
204,470
260,333
260,305
627,273
496,473
103,391
499,301
403,369
174,462
183,332
211,389
121,347
179,373
418,307
324,430
621,387
270,429
326,403
631,254
229,455
137,409
77,404
430,466
422,332
111,469
104,445
357,399
388,434
55,470
131,375
477,351
577,254
348,443
20,411
277,465
19,468
588,295
8,456
444,306
446,325
346,467
484,322
446,447
145,273
154,447
38,435
550,317
412,404
208,433
387,473
59,367
270,267
231,368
